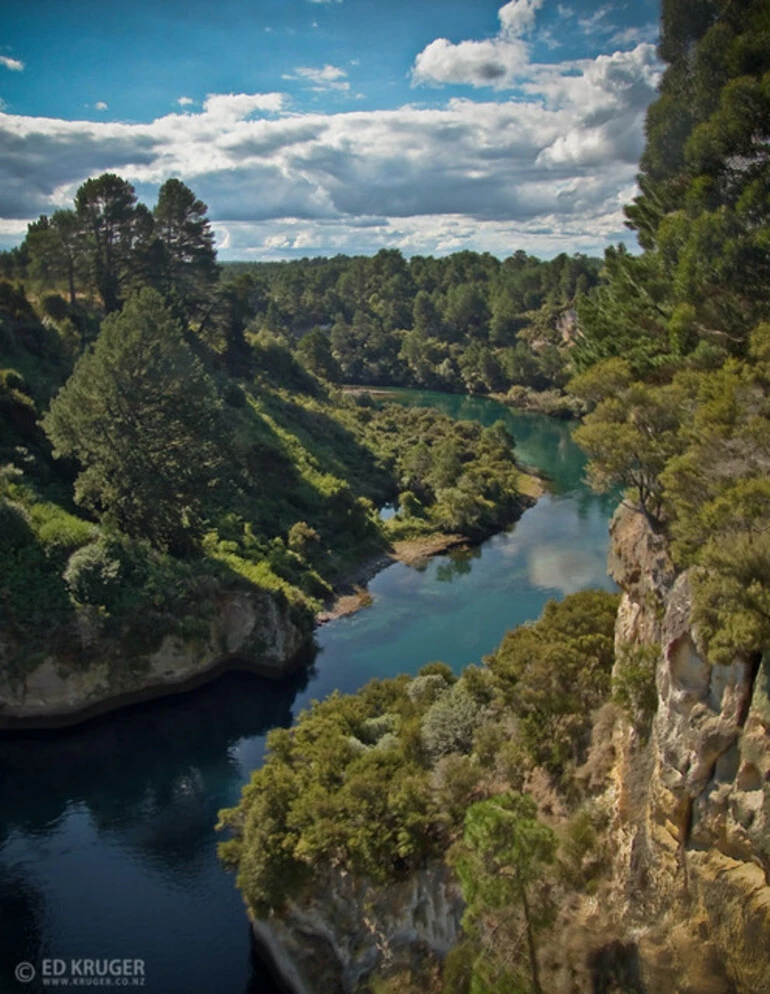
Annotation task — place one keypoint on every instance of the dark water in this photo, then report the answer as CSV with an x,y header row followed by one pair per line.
x,y
107,846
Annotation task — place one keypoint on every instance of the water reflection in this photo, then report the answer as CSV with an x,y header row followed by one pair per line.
x,y
107,842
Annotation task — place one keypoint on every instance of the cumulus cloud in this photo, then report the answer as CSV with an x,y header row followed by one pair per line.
x,y
100,105
496,62
518,16
320,80
548,168
15,65
236,106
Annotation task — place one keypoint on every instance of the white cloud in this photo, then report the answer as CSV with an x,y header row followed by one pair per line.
x,y
15,65
237,106
634,36
497,62
327,78
100,105
593,24
325,1
518,17
547,169
185,101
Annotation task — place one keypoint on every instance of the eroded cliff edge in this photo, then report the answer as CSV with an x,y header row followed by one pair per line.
x,y
690,797
89,670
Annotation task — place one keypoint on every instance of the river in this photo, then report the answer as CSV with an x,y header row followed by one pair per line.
x,y
107,841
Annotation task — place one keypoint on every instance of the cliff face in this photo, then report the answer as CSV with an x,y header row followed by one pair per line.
x,y
95,672
335,935
692,805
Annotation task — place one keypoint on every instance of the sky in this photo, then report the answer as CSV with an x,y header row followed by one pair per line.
x,y
317,127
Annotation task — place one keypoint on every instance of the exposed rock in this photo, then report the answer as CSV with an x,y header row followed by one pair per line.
x,y
339,932
691,835
96,672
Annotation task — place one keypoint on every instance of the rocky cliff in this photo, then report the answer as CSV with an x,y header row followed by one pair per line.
x,y
341,930
691,799
92,671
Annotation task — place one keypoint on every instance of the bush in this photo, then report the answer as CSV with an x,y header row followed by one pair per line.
x,y
14,527
426,689
93,574
450,722
633,684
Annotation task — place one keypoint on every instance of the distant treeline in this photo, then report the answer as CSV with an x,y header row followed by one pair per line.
x,y
466,322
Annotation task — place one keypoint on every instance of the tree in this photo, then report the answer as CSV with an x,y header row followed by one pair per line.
x,y
141,417
315,354
189,258
703,211
55,248
630,438
501,861
116,232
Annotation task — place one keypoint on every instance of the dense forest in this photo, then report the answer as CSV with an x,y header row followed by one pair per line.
x,y
467,322
672,362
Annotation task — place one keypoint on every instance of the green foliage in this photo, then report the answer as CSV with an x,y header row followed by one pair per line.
x,y
581,858
142,418
466,323
459,476
605,379
633,684
630,438
381,781
93,575
555,672
327,797
501,862
114,233
450,722
186,262
702,213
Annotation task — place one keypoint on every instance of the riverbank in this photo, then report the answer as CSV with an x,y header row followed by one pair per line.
x,y
552,403
350,594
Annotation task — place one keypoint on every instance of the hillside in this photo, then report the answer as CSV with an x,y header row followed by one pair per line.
x,y
163,458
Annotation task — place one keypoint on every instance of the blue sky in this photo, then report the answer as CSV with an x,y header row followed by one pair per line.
x,y
323,126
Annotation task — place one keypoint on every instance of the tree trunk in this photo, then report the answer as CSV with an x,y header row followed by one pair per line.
x,y
531,945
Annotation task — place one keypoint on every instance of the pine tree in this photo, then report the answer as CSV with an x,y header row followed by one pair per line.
x,y
142,418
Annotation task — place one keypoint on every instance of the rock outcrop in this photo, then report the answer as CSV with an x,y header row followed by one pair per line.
x,y
91,672
342,929
691,808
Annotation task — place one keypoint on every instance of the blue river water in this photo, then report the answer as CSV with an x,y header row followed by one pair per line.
x,y
107,840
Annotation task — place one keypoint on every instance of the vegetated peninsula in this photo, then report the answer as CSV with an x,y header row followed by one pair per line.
x,y
589,810
181,483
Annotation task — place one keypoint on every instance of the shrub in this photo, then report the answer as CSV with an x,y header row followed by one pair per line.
x,y
424,690
450,722
93,574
